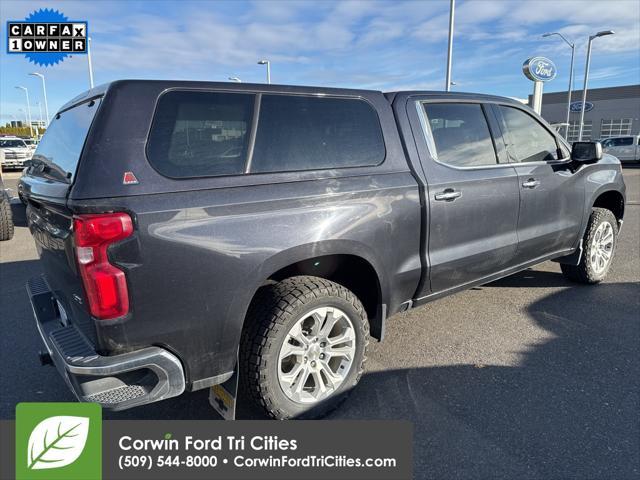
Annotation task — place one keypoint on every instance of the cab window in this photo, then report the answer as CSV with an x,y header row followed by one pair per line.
x,y
527,140
461,134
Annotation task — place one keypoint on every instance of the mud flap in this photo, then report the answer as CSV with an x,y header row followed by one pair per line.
x,y
223,397
571,259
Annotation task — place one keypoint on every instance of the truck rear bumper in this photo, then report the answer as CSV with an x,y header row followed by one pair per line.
x,y
116,382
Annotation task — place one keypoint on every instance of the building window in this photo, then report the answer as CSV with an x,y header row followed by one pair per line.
x,y
574,129
615,128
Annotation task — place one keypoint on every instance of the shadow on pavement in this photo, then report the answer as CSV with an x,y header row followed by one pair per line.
x,y
568,410
532,278
19,214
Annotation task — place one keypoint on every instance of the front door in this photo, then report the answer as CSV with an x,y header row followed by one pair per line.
x,y
472,197
551,195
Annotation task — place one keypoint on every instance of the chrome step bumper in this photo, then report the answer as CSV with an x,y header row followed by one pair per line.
x,y
116,382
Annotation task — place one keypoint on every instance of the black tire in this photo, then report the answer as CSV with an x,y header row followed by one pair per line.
x,y
273,312
6,217
585,272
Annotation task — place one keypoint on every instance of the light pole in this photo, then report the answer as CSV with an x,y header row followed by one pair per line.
x,y
28,108
573,51
586,77
89,62
44,95
40,110
235,79
268,64
452,9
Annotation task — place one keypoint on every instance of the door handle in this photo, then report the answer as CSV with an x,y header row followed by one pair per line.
x,y
448,195
531,183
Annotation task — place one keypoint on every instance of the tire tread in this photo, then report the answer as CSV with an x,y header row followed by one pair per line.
x,y
6,218
268,313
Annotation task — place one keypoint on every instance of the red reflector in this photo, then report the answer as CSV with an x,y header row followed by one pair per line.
x,y
104,284
129,179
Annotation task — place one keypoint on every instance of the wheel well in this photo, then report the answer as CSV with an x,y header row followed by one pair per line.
x,y
350,271
613,201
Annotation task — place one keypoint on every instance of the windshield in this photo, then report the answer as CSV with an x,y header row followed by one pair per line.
x,y
4,143
62,143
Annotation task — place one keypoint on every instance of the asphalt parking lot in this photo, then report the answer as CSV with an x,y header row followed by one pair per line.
x,y
528,377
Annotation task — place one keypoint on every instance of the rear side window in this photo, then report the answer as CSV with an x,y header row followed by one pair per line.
x,y
62,143
623,142
527,139
461,134
309,133
200,133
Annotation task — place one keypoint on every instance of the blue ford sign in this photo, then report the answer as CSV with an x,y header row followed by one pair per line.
x,y
539,69
577,106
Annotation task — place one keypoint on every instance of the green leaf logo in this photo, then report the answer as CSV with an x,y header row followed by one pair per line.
x,y
57,442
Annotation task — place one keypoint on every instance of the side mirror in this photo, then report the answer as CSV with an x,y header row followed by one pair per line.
x,y
586,152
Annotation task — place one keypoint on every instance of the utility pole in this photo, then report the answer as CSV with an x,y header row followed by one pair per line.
x,y
89,62
44,94
452,9
586,77
26,91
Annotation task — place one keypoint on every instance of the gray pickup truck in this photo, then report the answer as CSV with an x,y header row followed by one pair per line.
x,y
192,230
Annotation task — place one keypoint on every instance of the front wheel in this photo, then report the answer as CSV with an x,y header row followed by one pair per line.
x,y
303,347
599,246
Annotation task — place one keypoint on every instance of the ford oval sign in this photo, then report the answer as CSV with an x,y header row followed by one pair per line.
x,y
539,69
577,106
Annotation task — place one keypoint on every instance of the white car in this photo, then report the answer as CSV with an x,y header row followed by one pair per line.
x,y
626,148
16,152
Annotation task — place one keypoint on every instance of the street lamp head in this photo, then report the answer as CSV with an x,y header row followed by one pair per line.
x,y
547,34
235,79
602,34
263,62
21,88
36,74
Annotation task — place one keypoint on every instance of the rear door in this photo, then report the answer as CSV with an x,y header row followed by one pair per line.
x,y
46,185
472,194
551,194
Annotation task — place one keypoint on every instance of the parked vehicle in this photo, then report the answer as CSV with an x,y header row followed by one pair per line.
x,y
271,230
625,148
6,217
31,143
16,152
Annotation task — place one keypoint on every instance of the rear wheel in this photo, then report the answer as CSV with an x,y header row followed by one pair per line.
x,y
599,246
6,217
303,347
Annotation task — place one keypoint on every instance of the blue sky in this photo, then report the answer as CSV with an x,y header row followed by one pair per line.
x,y
386,45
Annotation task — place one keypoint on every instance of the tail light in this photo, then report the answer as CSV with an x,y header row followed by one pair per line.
x,y
104,284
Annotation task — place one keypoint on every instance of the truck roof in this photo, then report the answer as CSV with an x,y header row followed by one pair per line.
x,y
101,89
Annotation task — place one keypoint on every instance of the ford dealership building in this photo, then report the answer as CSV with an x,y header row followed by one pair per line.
x,y
609,112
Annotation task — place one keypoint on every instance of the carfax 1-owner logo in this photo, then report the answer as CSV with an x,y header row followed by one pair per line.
x,y
47,37
58,441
